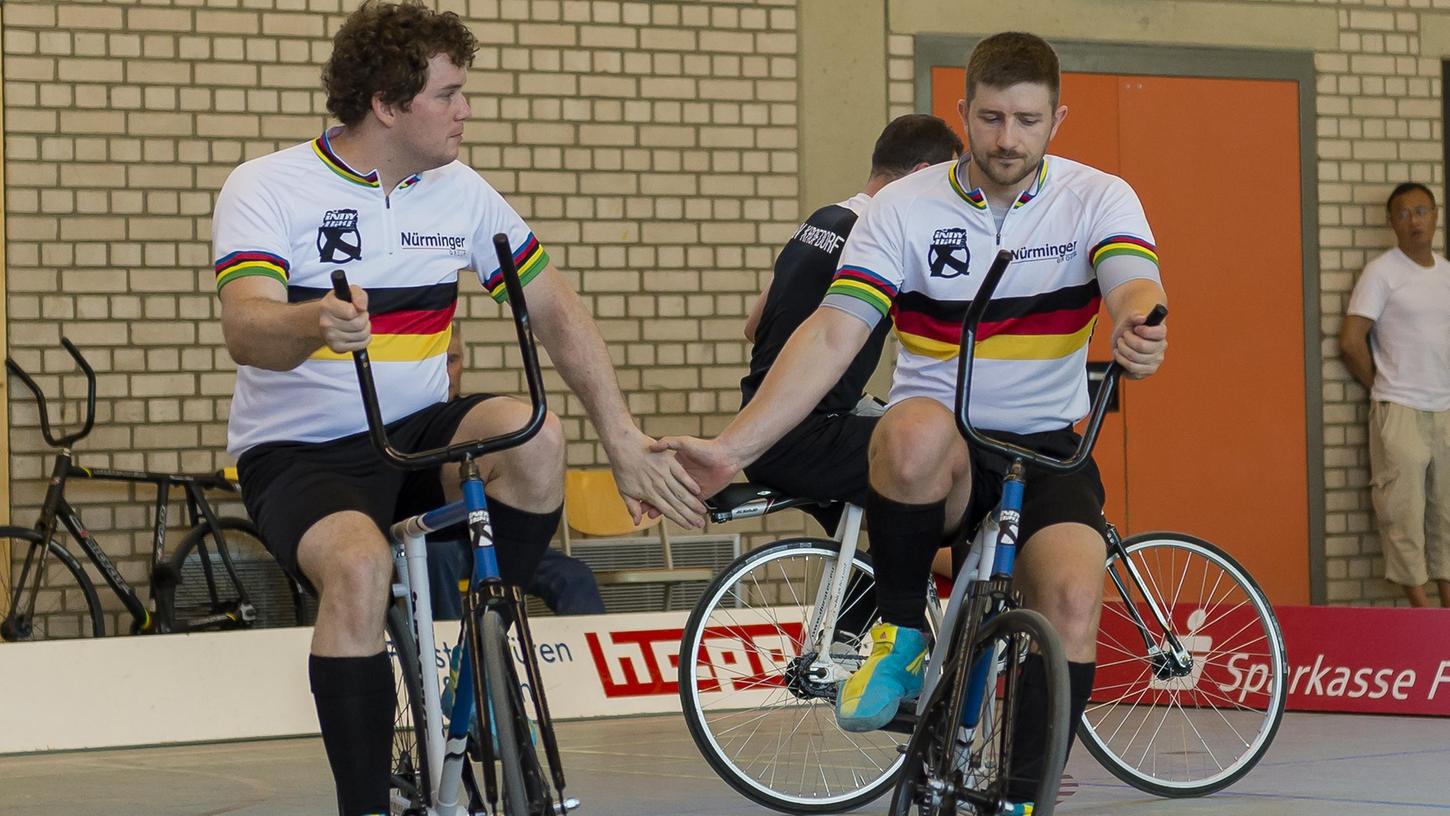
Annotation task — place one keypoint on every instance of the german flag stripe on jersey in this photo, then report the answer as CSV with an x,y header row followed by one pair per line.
x,y
409,322
530,259
1041,327
864,285
245,263
1123,245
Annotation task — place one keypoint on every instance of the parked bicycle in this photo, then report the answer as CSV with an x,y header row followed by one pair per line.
x,y
778,630
433,770
219,577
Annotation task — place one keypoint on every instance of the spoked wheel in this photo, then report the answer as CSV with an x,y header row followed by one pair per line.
x,y
408,781
245,583
1014,751
1189,723
66,605
760,702
524,788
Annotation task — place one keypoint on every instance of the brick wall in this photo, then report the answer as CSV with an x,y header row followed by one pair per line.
x,y
652,146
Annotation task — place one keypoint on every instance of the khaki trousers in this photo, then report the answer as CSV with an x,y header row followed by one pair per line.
x,y
1409,455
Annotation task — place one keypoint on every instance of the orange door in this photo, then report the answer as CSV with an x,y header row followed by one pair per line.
x,y
1214,445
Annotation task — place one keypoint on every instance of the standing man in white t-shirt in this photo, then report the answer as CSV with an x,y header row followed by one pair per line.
x,y
1396,342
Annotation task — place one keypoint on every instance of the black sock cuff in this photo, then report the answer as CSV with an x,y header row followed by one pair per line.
x,y
523,525
923,512
351,676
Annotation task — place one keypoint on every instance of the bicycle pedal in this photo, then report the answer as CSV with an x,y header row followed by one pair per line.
x,y
561,808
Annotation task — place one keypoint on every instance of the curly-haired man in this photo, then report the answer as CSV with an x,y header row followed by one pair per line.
x,y
385,198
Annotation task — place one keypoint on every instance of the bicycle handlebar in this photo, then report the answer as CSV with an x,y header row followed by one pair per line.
x,y
966,350
378,433
69,439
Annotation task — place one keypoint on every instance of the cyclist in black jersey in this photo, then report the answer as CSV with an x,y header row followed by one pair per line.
x,y
824,457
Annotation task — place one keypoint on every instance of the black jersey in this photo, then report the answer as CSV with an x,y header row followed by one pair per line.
x,y
803,272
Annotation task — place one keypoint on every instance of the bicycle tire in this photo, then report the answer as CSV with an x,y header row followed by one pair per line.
x,y
934,728
507,710
194,591
54,616
409,783
1154,553
711,723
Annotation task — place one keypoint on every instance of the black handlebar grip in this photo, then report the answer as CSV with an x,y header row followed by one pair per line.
x,y
1155,317
340,287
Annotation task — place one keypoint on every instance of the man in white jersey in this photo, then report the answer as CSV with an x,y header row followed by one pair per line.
x,y
384,198
1396,342
1080,239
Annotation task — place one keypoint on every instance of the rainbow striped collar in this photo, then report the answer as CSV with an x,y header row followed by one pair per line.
x,y
322,148
978,199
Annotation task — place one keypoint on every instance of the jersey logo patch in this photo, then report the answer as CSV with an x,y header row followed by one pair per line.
x,y
948,251
338,240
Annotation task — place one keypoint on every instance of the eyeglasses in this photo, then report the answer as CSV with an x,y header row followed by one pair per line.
x,y
1418,212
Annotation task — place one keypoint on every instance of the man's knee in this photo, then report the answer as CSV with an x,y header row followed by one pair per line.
x,y
917,446
346,557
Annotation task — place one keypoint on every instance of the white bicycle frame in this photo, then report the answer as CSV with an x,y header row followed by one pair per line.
x,y
411,589
832,592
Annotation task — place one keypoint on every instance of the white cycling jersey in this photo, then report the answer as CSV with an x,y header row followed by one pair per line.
x,y
298,214
924,244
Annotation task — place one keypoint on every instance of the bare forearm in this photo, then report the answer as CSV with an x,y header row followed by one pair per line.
x,y
578,351
1355,350
269,334
814,358
1134,297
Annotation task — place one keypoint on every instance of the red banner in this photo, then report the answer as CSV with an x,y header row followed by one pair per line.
x,y
1344,659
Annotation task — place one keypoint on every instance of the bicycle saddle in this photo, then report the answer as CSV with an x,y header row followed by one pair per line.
x,y
748,500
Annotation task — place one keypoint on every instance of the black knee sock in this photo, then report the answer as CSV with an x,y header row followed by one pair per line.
x,y
1080,688
520,539
904,539
355,699
1029,734
1029,731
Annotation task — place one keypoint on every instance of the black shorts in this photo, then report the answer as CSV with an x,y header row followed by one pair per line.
x,y
1050,497
290,486
825,457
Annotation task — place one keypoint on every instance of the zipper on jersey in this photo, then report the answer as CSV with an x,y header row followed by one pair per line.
x,y
392,233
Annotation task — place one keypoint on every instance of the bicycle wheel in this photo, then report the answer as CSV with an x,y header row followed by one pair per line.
x,y
950,768
1185,731
202,591
409,785
757,714
521,774
66,605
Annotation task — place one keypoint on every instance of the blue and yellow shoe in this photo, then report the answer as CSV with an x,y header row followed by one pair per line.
x,y
1017,809
869,699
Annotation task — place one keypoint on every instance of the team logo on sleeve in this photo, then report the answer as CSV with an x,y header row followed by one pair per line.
x,y
948,256
338,240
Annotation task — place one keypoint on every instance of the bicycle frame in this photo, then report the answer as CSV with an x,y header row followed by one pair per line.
x,y
446,752
57,511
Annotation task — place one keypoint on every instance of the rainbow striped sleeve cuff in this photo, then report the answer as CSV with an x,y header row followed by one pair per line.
x,y
250,262
1115,245
530,259
864,285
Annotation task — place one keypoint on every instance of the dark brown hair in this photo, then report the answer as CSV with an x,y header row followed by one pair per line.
x,y
384,48
912,139
1003,60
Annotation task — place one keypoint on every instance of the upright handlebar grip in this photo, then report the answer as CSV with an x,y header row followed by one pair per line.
x,y
340,287
1156,316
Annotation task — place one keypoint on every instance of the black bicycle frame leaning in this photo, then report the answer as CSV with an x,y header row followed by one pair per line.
x,y
56,510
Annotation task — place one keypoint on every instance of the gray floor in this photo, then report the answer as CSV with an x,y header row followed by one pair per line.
x,y
647,766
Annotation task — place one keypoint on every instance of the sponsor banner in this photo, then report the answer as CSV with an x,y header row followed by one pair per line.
x,y
1339,659
161,689
614,665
